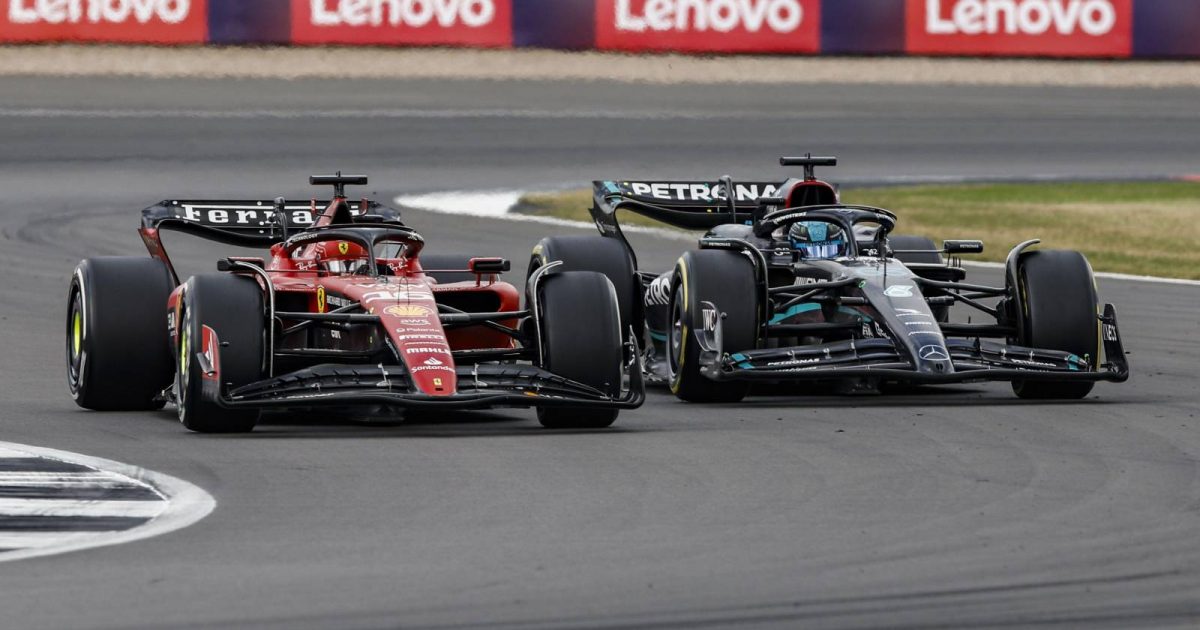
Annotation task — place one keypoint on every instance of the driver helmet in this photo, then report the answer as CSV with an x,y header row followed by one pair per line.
x,y
341,257
818,239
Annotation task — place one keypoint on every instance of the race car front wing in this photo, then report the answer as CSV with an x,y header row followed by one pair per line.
x,y
479,387
968,360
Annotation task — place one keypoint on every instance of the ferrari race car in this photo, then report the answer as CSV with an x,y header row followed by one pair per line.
x,y
347,313
789,284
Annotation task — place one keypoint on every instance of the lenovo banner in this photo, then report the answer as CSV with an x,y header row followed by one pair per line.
x,y
485,23
1058,28
134,21
709,25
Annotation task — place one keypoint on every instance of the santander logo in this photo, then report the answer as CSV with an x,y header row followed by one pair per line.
x,y
409,13
1020,17
722,16
97,11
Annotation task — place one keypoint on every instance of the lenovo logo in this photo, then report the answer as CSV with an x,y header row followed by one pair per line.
x,y
1027,17
410,13
98,11
1057,28
709,25
722,16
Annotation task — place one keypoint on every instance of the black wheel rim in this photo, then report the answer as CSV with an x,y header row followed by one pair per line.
x,y
674,351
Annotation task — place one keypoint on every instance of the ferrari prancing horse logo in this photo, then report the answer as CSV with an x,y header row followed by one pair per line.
x,y
320,299
343,247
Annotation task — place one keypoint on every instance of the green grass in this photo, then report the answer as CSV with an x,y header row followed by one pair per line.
x,y
1145,228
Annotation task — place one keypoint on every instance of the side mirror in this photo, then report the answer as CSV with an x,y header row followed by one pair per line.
x,y
962,247
488,265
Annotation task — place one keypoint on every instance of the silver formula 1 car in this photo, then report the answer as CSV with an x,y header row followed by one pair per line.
x,y
789,284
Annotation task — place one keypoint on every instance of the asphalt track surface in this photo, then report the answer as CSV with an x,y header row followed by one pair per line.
x,y
942,507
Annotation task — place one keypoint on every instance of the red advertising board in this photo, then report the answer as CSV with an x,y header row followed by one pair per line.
x,y
709,25
403,22
137,21
1054,28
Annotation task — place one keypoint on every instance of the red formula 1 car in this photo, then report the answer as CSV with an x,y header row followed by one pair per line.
x,y
347,313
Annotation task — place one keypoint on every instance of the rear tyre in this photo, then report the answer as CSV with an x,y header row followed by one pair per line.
x,y
447,261
727,280
602,255
940,313
118,352
1058,295
581,341
233,307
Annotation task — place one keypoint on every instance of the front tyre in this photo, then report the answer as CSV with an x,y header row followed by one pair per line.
x,y
232,306
118,353
726,279
1059,312
581,340
603,255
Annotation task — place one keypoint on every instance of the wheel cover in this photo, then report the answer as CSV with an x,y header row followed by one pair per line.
x,y
76,333
675,351
75,343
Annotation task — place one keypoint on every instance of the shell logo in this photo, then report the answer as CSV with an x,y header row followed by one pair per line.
x,y
408,310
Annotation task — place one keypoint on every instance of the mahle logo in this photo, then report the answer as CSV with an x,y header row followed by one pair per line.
x,y
722,16
1019,17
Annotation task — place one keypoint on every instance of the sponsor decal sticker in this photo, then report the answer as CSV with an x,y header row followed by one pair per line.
x,y
899,291
320,299
343,247
435,368
709,25
424,323
697,191
1061,28
403,335
433,361
148,21
420,22
425,350
396,296
408,310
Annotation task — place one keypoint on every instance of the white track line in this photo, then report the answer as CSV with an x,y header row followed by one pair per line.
x,y
487,204
183,504
66,480
44,541
68,507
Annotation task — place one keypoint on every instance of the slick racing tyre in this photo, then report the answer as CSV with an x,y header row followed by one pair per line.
x,y
600,254
902,242
232,306
118,352
581,340
726,279
447,261
1057,297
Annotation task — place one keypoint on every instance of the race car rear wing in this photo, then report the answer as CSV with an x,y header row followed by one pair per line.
x,y
688,205
245,223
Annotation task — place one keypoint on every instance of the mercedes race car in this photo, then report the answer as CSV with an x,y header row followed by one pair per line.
x,y
789,284
346,313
